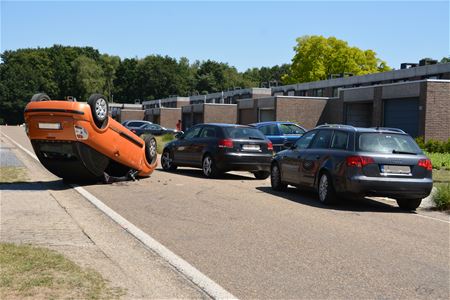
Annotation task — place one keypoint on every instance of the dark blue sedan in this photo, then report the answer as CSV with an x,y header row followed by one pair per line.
x,y
279,132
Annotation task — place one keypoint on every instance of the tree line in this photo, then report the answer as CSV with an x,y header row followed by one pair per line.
x,y
62,71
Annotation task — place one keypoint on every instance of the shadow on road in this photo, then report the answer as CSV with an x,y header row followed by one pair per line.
x,y
55,185
355,205
197,173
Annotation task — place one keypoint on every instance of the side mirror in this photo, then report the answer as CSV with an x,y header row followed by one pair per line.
x,y
179,135
289,145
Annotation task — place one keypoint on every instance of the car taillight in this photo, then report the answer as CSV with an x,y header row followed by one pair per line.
x,y
226,143
270,146
359,161
81,133
425,163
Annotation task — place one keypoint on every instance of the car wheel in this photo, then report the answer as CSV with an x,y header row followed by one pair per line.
x,y
275,179
409,204
209,167
167,161
325,189
261,174
99,108
40,97
150,149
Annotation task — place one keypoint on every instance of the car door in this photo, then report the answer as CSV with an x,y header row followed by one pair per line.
x,y
311,158
290,162
272,132
183,147
206,138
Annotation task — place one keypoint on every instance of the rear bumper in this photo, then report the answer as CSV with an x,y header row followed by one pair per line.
x,y
244,162
400,188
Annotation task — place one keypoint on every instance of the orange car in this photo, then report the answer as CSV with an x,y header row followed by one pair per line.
x,y
78,141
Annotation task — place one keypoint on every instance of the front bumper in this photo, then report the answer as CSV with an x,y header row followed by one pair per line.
x,y
400,188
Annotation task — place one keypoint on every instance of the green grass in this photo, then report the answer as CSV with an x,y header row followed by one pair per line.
x,y
13,174
442,196
439,160
39,273
161,141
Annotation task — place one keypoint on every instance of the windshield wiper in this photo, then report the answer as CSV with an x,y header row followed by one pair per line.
x,y
403,152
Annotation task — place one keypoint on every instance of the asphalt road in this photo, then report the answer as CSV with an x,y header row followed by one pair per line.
x,y
257,243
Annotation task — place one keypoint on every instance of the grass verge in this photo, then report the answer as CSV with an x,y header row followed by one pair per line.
x,y
13,174
161,141
439,160
39,273
442,196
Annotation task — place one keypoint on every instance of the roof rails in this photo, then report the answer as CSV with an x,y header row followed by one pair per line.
x,y
336,126
389,129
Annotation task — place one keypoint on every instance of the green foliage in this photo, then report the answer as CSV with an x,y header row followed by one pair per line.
x,y
439,160
317,57
167,137
442,196
445,60
433,146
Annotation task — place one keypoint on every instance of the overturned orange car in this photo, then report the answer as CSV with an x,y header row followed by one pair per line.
x,y
79,142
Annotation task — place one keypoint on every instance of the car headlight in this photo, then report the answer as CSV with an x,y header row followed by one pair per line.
x,y
81,133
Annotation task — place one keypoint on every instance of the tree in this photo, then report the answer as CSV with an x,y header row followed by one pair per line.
x,y
317,58
445,60
89,77
109,65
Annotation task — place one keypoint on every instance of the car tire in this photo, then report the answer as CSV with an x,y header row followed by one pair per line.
x,y
150,149
261,174
99,108
209,167
409,204
275,178
167,161
40,97
325,189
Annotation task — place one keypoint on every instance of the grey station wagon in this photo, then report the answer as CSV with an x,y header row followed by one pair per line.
x,y
342,160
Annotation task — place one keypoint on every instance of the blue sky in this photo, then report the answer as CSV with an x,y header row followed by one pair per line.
x,y
243,34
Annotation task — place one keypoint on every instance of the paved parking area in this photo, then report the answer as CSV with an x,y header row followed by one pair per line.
x,y
257,243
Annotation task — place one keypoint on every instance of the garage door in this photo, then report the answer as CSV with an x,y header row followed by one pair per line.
x,y
403,114
266,115
359,114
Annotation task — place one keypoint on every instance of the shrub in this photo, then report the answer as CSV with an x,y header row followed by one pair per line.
x,y
439,160
442,196
434,146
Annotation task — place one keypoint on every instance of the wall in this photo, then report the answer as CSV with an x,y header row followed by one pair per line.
x,y
306,112
220,113
128,114
169,117
437,110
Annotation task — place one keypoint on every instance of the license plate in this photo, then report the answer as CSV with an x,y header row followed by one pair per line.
x,y
395,169
49,125
250,147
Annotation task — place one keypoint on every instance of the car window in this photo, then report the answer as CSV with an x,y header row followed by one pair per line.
x,y
305,140
387,143
135,124
291,129
192,133
322,140
269,129
153,127
208,132
340,139
244,133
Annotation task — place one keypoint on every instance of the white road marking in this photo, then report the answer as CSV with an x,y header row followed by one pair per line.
x,y
428,217
198,278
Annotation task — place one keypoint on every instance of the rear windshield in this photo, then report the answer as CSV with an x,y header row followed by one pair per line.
x,y
388,143
244,133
